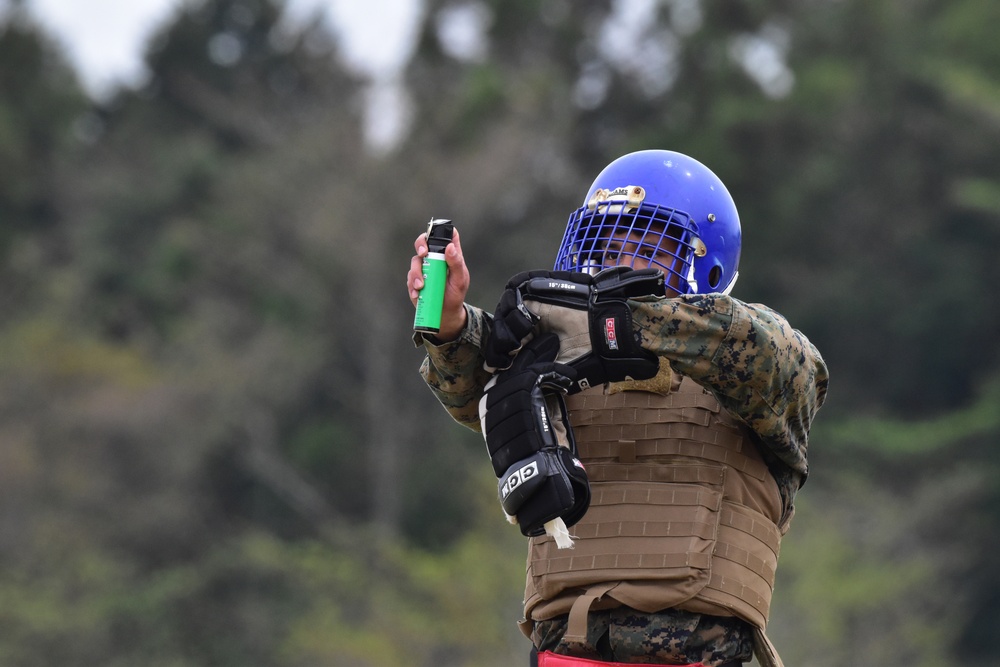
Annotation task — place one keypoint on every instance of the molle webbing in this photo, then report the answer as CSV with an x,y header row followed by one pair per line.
x,y
676,517
679,424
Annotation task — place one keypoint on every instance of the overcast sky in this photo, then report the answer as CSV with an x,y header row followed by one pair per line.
x,y
105,38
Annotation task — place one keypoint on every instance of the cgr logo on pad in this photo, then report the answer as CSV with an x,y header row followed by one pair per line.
x,y
610,337
519,477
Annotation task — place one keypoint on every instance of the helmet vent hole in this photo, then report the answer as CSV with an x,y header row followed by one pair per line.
x,y
715,277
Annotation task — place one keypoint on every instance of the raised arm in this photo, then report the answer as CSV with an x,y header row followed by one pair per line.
x,y
454,370
756,364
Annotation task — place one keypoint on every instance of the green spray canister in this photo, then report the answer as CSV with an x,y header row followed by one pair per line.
x,y
435,270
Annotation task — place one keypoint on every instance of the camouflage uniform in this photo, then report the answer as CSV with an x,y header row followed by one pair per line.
x,y
757,366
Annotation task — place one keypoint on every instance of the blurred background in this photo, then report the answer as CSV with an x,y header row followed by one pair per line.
x,y
214,445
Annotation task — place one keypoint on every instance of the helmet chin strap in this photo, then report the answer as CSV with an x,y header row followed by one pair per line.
x,y
692,283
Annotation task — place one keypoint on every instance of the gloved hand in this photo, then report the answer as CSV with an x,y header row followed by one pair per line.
x,y
542,485
513,323
590,314
547,486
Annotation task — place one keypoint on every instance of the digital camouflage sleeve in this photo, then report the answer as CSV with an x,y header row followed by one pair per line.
x,y
757,365
454,370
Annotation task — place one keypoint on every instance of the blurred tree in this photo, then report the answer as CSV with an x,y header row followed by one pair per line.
x,y
41,106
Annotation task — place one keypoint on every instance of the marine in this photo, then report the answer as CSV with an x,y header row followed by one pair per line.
x,y
694,435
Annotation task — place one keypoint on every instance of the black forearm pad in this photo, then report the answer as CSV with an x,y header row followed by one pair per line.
x,y
516,423
512,411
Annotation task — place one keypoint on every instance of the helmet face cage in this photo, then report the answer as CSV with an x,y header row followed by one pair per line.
x,y
662,209
602,235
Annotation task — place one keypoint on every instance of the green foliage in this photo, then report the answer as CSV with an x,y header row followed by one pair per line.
x,y
843,575
411,607
258,600
899,438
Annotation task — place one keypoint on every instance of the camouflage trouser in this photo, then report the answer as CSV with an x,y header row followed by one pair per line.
x,y
668,637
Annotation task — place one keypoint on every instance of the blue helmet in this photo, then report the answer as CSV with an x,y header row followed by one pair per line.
x,y
663,209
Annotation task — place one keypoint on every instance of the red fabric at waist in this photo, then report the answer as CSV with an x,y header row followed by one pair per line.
x,y
549,659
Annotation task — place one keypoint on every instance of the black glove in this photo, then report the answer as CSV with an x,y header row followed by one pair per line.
x,y
549,485
513,323
590,314
530,440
